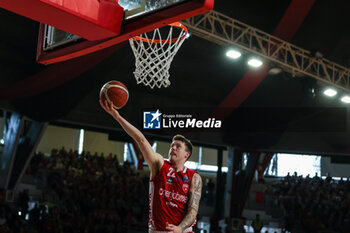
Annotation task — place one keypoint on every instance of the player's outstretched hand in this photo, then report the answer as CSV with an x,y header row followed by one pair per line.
x,y
173,229
109,108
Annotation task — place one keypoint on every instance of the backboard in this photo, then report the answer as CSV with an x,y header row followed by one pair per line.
x,y
140,16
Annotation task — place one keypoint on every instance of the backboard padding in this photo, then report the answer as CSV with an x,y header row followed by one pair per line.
x,y
134,26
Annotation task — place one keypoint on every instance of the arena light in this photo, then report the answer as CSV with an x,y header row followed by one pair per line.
x,y
345,99
256,63
330,92
234,54
274,70
81,141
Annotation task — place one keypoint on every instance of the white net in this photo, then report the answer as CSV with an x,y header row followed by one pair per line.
x,y
153,55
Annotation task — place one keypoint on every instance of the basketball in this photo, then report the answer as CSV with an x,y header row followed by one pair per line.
x,y
116,92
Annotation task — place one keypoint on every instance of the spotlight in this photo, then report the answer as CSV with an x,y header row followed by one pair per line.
x,y
330,92
234,54
255,62
312,90
345,99
274,70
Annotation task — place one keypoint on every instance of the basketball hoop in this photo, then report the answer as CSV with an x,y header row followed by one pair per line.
x,y
153,55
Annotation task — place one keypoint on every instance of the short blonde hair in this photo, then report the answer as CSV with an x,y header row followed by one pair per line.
x,y
188,144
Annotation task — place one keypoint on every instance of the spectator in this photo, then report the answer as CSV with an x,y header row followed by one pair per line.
x,y
317,204
257,224
23,202
88,194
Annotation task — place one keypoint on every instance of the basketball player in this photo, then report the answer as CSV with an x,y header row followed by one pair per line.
x,y
175,190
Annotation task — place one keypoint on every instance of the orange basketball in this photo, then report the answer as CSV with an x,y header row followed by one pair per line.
x,y
116,92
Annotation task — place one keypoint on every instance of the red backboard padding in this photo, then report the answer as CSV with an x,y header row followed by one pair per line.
x,y
90,19
133,28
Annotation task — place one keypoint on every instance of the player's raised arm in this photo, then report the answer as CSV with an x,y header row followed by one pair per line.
x,y
153,159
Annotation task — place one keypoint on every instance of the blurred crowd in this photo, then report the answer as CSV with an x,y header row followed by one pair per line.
x,y
316,204
85,193
95,193
82,193
10,222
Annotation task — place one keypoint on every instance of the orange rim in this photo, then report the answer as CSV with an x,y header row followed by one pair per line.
x,y
176,24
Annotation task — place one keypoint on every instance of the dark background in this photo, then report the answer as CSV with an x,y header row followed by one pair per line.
x,y
281,114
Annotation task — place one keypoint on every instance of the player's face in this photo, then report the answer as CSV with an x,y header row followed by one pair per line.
x,y
178,151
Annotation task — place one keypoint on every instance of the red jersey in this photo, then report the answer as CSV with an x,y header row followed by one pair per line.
x,y
168,197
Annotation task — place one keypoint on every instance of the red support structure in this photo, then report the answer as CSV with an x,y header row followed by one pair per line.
x,y
260,196
89,19
262,167
250,170
241,180
145,24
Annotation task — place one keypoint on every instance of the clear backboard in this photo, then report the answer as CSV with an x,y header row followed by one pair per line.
x,y
140,16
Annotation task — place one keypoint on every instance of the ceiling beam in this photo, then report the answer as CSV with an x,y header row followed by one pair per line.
x,y
223,30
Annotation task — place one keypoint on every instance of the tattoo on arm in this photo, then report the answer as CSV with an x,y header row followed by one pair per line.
x,y
194,197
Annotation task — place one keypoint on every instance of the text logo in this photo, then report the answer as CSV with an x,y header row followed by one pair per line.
x,y
169,181
152,120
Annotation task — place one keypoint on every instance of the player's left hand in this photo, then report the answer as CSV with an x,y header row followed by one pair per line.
x,y
108,107
173,229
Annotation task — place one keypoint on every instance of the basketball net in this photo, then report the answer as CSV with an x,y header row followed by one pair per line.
x,y
153,55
